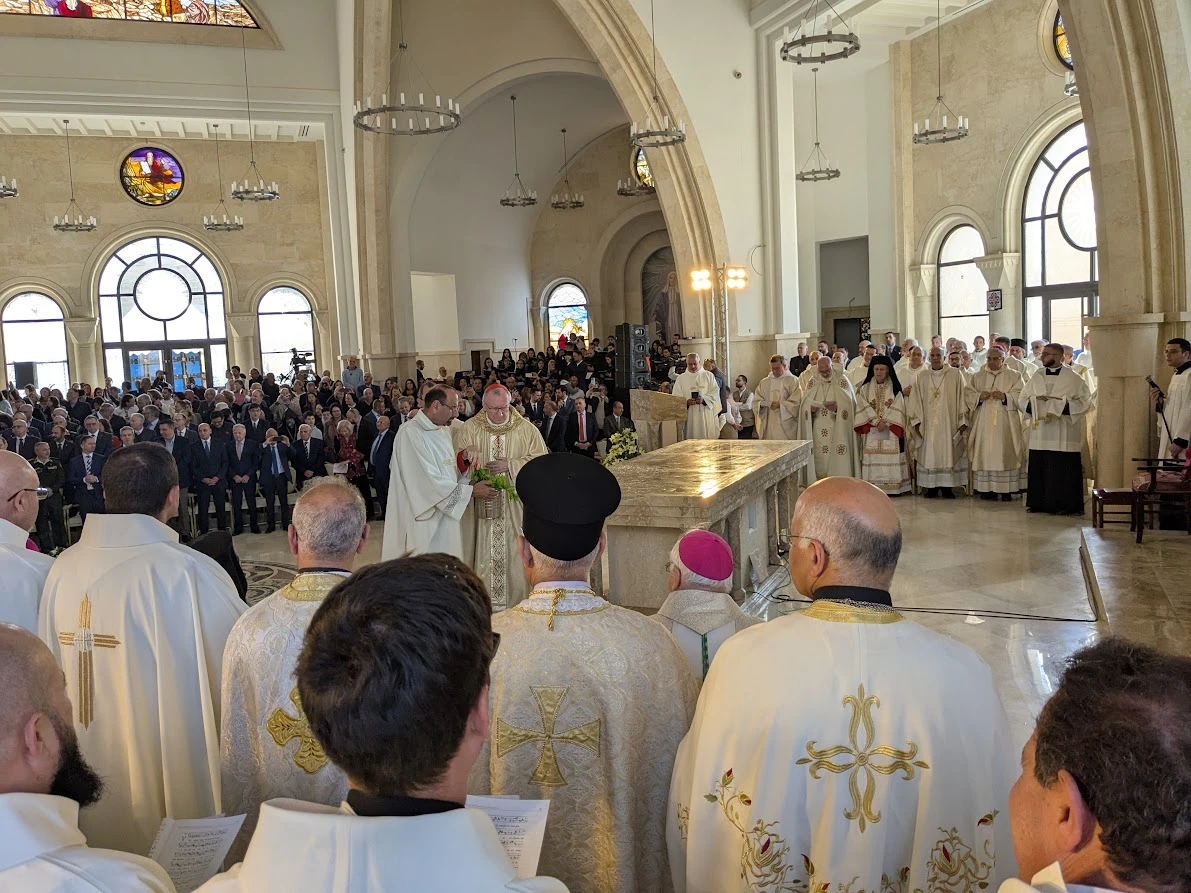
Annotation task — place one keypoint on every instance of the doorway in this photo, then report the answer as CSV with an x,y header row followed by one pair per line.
x,y
847,334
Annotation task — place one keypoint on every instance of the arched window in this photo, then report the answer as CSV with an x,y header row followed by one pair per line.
x,y
963,291
286,324
641,168
1060,269
161,306
566,311
35,342
1063,43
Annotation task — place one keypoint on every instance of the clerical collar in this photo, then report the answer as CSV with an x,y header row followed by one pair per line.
x,y
1053,371
1183,368
374,806
324,570
856,594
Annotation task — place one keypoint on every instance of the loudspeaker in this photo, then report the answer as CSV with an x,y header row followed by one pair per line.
x,y
23,374
632,356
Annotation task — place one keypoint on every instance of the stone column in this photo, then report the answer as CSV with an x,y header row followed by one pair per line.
x,y
84,350
241,343
1124,417
1003,271
924,279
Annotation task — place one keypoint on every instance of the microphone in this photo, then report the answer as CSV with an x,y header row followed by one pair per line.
x,y
1153,384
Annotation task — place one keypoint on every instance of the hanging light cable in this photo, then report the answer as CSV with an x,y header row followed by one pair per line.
x,y
657,132
817,169
948,126
566,201
830,45
75,221
517,196
220,221
254,188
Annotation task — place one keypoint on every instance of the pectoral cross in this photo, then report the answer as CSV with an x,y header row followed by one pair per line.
x,y
546,772
84,641
309,757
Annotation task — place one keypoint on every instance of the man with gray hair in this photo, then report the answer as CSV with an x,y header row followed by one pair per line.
x,y
866,746
266,747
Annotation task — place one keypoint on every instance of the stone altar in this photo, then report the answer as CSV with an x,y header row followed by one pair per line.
x,y
741,489
660,418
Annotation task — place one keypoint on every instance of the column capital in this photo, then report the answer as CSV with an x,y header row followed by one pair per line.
x,y
82,331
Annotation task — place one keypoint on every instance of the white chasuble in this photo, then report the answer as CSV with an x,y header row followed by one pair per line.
x,y
1055,424
884,462
490,545
702,421
24,572
427,493
938,410
831,431
886,768
1177,413
267,748
780,423
588,703
996,445
138,622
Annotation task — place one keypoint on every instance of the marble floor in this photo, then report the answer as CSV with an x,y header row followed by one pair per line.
x,y
1007,583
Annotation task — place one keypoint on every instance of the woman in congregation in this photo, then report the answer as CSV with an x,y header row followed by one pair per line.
x,y
881,424
348,461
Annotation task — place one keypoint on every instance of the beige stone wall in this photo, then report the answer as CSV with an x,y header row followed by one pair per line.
x,y
284,242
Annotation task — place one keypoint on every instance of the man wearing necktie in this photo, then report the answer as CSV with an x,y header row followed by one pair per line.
x,y
615,421
242,458
308,457
275,477
85,469
581,430
380,455
211,472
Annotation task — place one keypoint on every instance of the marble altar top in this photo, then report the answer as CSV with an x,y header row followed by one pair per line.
x,y
698,482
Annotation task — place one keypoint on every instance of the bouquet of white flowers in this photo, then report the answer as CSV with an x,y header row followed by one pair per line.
x,y
621,446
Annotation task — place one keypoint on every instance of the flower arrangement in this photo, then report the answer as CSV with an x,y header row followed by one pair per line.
x,y
497,482
621,447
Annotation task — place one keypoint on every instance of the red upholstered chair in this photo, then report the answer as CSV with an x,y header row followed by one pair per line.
x,y
1161,480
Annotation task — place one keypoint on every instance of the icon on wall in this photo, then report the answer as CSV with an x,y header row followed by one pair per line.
x,y
152,177
996,300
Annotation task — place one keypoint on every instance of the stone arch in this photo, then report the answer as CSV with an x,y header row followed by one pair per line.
x,y
942,224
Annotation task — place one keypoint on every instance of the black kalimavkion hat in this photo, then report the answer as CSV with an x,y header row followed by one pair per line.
x,y
567,498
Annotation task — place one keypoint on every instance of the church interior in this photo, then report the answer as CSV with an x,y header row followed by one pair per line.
x,y
191,186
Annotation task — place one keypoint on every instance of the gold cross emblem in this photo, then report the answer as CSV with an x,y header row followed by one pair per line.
x,y
84,642
309,756
546,772
862,762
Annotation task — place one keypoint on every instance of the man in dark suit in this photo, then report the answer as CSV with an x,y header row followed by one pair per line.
x,y
210,478
21,440
307,457
401,413
366,431
582,433
84,476
78,409
615,422
141,432
256,428
243,457
892,348
801,362
274,474
180,449
62,447
535,410
103,440
553,427
380,455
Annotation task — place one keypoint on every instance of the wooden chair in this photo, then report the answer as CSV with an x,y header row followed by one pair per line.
x,y
1102,497
1159,480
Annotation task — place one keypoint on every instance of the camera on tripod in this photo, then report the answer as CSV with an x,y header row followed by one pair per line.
x,y
300,359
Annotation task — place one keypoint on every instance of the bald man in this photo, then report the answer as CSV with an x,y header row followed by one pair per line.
x,y
44,781
867,747
24,571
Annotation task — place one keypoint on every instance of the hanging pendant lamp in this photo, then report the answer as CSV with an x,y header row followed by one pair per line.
x,y
517,196
948,127
817,169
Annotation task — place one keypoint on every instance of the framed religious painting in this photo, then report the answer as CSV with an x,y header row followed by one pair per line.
x,y
152,176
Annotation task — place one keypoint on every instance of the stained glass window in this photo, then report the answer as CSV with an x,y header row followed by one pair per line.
x,y
35,342
1063,43
1060,263
229,13
963,290
286,324
160,306
566,312
151,176
641,168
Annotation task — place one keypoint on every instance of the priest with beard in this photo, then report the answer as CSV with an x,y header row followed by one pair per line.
x,y
886,766
139,623
1054,401
588,700
505,441
938,416
828,421
881,424
702,394
44,782
996,446
778,398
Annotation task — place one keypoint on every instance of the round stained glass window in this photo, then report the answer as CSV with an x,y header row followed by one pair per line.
x,y
1063,43
162,295
152,177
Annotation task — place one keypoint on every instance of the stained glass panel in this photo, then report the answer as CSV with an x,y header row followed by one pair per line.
x,y
641,168
1063,43
152,176
228,13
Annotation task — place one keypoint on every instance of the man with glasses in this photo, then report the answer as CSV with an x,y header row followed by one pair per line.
x,y
843,740
24,571
83,477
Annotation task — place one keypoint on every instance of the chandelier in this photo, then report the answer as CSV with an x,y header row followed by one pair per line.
x,y
948,126
403,118
808,46
816,169
254,188
517,196
8,190
657,132
567,201
75,221
219,221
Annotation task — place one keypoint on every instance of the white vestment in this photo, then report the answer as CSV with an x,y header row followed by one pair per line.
x,y
884,462
701,622
996,445
139,622
888,759
1049,880
857,374
702,420
937,409
1055,425
782,423
832,433
427,494
1177,412
979,357
320,849
267,749
24,572
42,849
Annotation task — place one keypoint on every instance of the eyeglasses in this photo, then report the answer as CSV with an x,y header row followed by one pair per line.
x,y
826,551
42,493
